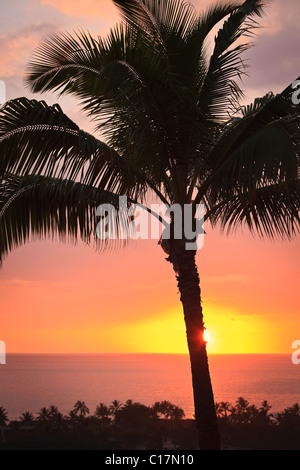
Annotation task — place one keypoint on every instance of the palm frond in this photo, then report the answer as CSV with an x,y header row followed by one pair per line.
x,y
267,155
221,93
41,139
61,60
274,212
159,18
37,207
253,170
259,146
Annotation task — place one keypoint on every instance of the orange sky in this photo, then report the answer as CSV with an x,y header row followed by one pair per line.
x,y
58,298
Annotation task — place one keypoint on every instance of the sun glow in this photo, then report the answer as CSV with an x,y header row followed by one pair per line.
x,y
206,336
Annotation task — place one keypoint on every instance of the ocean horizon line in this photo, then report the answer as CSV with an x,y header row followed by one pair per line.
x,y
135,354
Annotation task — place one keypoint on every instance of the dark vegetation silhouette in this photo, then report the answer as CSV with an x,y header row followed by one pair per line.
x,y
162,426
170,111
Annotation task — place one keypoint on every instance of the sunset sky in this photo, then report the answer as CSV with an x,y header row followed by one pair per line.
x,y
62,298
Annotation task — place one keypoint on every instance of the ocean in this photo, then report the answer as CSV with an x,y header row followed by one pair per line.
x,y
31,382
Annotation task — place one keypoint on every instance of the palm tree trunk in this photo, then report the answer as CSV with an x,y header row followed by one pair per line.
x,y
184,265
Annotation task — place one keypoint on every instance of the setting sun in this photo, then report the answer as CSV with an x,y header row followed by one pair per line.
x,y
206,336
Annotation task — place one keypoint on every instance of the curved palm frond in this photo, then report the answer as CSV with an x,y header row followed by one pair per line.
x,y
256,156
159,19
82,65
40,139
263,145
274,212
41,207
220,93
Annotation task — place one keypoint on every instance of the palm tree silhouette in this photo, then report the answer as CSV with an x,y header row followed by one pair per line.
x,y
3,416
43,415
223,409
80,409
27,418
174,128
115,406
103,412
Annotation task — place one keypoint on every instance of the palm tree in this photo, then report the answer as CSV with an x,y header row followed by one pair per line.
x,y
80,409
172,126
222,409
27,418
115,406
168,410
163,408
103,412
53,411
3,416
43,415
177,413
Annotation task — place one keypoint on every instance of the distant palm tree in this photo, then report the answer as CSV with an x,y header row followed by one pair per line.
x,y
43,415
170,113
290,417
133,414
163,408
103,412
27,418
53,410
55,416
177,413
168,410
3,416
80,409
115,406
222,409
264,411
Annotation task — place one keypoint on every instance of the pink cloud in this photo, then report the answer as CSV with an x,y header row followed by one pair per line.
x,y
16,47
103,9
274,61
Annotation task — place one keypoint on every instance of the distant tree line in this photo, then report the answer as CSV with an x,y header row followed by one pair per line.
x,y
245,413
241,413
132,424
129,425
114,413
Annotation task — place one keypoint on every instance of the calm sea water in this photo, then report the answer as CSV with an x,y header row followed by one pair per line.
x,y
30,382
